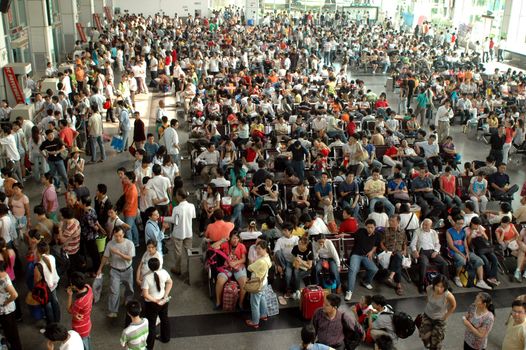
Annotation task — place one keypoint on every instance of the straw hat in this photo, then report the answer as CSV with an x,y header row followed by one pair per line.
x,y
76,150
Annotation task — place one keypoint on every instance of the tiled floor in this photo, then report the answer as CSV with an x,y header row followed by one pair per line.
x,y
196,326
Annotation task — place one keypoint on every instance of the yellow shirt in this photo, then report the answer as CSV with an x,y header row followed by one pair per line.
x,y
514,337
374,188
298,231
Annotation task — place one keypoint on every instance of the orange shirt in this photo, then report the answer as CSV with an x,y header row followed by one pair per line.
x,y
219,230
132,200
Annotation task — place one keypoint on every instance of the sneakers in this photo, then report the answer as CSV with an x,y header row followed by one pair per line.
x,y
296,295
348,295
457,282
483,285
517,276
367,285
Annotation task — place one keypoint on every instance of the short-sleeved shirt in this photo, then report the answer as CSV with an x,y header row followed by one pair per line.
x,y
482,323
324,191
82,306
52,146
349,187
4,295
219,230
363,243
148,283
126,247
134,336
71,233
419,183
392,185
307,255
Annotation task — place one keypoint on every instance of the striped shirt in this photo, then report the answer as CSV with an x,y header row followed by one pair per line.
x,y
134,336
71,234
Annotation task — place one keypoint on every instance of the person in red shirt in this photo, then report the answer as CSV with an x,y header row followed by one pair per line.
x,y
67,134
80,308
220,229
349,223
234,266
351,126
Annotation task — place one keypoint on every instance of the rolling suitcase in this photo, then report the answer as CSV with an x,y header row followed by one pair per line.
x,y
311,299
230,296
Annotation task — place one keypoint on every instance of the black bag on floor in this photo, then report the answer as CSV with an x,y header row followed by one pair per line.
x,y
404,325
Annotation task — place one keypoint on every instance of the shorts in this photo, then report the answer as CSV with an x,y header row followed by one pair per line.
x,y
460,261
237,274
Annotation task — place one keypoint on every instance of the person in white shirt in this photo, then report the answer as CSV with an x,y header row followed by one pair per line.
x,y
170,139
283,255
161,187
182,216
9,144
443,116
210,158
58,334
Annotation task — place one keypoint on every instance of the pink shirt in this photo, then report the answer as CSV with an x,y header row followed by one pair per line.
x,y
49,199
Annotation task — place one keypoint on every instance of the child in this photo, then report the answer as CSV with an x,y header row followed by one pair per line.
x,y
362,309
134,336
151,146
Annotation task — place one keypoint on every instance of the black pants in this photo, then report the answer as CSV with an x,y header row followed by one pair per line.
x,y
497,155
431,206
425,258
9,325
162,209
395,265
91,250
434,162
151,311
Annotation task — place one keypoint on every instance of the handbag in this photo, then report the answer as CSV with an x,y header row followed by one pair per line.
x,y
132,149
481,245
254,284
40,291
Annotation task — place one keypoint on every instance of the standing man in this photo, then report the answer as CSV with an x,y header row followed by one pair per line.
x,y
171,141
8,141
161,188
497,141
53,147
182,216
95,134
443,116
80,308
131,205
119,253
124,124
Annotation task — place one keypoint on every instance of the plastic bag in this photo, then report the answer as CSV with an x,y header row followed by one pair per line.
x,y
384,258
97,287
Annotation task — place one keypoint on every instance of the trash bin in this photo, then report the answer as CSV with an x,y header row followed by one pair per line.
x,y
195,265
101,243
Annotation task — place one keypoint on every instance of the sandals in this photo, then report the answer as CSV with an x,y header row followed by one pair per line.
x,y
251,324
282,300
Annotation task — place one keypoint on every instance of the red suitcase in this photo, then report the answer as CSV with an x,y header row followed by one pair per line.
x,y
311,299
230,295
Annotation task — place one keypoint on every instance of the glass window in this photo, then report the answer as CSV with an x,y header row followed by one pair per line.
x,y
22,17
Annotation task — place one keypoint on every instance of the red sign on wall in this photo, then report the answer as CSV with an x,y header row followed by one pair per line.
x,y
82,35
107,12
14,85
98,23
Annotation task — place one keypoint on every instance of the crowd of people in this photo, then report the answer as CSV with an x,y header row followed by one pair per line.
x,y
308,176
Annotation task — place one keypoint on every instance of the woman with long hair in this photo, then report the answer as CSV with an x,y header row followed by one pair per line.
x,y
8,295
39,165
440,305
156,288
46,269
478,319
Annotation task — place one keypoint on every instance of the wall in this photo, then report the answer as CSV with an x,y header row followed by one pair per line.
x,y
183,8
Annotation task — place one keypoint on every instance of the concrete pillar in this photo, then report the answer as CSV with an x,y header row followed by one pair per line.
x,y
86,9
40,35
507,18
69,18
4,58
98,7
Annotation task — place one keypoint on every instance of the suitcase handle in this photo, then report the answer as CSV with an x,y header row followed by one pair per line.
x,y
313,287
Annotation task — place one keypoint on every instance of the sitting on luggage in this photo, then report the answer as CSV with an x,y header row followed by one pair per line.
x,y
302,264
283,257
234,268
326,258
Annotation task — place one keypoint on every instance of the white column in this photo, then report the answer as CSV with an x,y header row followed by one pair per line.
x,y
85,9
4,59
98,7
69,17
40,35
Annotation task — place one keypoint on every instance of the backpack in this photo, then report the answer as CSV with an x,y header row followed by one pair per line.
x,y
40,291
215,260
404,325
468,276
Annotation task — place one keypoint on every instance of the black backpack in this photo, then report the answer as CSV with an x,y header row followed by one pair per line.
x,y
404,325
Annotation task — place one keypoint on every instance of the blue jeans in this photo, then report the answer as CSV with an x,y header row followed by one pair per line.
x,y
333,268
299,168
125,139
96,140
258,306
490,264
237,215
57,168
39,167
356,262
52,308
287,267
389,207
133,232
333,134
86,341
299,275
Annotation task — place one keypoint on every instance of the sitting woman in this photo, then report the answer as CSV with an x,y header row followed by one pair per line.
x,y
479,242
458,248
300,199
397,190
234,268
210,202
379,216
448,188
267,196
238,193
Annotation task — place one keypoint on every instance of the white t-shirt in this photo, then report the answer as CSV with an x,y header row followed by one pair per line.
x,y
74,342
160,185
285,245
182,216
145,258
149,283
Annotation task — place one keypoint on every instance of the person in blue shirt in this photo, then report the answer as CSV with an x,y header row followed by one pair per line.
x,y
349,194
152,231
124,123
324,195
459,250
397,190
308,338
